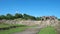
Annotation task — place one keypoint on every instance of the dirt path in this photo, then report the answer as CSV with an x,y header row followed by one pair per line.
x,y
32,30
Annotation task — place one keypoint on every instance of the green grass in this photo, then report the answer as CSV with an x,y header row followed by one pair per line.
x,y
8,25
4,25
10,31
48,30
13,30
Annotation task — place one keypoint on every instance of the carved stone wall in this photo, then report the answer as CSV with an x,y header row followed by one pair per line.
x,y
45,21
49,20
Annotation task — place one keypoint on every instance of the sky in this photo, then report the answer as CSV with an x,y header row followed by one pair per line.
x,y
31,7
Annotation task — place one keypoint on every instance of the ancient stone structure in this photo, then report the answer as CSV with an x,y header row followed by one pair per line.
x,y
45,21
49,20
44,18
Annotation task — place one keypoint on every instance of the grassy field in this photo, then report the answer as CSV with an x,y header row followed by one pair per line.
x,y
4,25
48,30
8,25
12,30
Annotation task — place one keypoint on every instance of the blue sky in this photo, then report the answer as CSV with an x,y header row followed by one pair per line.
x,y
31,7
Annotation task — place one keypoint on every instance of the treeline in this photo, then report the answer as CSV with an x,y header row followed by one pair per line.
x,y
17,15
59,19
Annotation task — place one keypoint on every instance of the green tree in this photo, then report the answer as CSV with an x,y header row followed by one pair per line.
x,y
9,16
18,15
32,18
59,19
38,18
2,17
26,16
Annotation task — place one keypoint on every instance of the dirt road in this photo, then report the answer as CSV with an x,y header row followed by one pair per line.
x,y
31,30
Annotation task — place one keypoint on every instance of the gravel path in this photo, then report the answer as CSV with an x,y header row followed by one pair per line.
x,y
32,30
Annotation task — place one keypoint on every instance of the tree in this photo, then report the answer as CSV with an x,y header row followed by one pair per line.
x,y
9,16
59,19
18,15
2,17
32,18
25,16
38,18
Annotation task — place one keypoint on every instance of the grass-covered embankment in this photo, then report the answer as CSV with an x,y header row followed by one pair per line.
x,y
12,28
48,30
2,25
10,31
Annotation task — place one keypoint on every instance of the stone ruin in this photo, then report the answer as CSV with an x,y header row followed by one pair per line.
x,y
43,18
49,20
45,21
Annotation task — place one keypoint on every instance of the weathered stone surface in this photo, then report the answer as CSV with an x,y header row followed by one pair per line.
x,y
51,20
